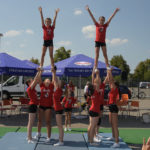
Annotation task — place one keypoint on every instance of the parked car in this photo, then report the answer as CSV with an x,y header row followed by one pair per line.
x,y
123,90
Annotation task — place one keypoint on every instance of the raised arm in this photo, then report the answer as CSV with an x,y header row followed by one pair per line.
x,y
93,75
109,20
36,79
56,12
42,18
111,79
55,80
88,9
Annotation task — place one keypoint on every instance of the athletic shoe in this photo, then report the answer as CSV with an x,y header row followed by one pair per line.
x,y
59,144
99,136
96,139
96,70
115,145
30,142
110,139
69,129
37,136
94,144
108,68
65,129
47,140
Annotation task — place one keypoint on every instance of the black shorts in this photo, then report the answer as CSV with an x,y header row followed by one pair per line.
x,y
44,108
68,109
99,44
59,112
93,114
113,108
101,107
32,108
48,43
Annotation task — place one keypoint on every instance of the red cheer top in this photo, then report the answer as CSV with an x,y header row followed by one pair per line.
x,y
95,99
48,32
102,90
32,94
100,32
56,99
46,98
69,102
113,95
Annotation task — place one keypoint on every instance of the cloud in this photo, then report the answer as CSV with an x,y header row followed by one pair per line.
x,y
64,43
89,31
78,12
12,33
22,45
116,41
29,31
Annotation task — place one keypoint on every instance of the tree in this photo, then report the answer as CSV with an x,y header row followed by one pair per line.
x,y
120,62
142,71
35,60
61,54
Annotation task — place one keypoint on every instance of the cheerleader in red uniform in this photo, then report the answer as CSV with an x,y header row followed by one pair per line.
x,y
32,94
113,114
68,102
94,92
58,106
45,106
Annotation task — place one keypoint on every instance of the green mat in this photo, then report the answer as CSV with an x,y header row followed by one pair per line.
x,y
129,135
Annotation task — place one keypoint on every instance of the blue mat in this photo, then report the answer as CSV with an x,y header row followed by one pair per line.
x,y
15,141
71,142
105,144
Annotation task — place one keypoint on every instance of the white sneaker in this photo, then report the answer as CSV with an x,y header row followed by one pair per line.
x,y
30,142
59,144
96,139
69,129
99,136
65,129
47,140
37,136
110,139
115,145
108,68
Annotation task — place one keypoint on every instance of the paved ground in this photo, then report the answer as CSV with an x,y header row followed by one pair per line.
x,y
124,121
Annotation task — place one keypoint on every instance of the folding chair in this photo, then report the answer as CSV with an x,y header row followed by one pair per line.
x,y
24,102
122,105
124,97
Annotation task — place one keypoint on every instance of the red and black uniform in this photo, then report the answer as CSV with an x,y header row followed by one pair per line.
x,y
89,102
48,35
56,100
94,109
100,34
46,99
102,90
32,94
113,95
68,103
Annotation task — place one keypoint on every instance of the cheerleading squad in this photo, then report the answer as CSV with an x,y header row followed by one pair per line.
x,y
52,91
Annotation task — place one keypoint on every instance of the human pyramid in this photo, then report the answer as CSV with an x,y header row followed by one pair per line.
x,y
94,91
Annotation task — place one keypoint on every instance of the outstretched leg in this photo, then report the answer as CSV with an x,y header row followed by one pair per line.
x,y
43,55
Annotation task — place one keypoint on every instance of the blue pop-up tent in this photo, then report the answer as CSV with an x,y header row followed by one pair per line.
x,y
13,66
79,65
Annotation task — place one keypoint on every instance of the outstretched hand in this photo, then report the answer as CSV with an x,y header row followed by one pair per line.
x,y
87,7
117,9
57,10
40,9
146,146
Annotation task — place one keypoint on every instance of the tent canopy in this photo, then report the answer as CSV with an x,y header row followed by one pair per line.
x,y
13,66
79,65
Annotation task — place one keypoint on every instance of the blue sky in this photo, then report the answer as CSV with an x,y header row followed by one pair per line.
x,y
128,34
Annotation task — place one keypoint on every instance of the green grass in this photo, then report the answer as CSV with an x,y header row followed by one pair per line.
x,y
4,130
132,136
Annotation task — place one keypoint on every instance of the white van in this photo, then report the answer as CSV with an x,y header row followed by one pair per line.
x,y
15,87
144,85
